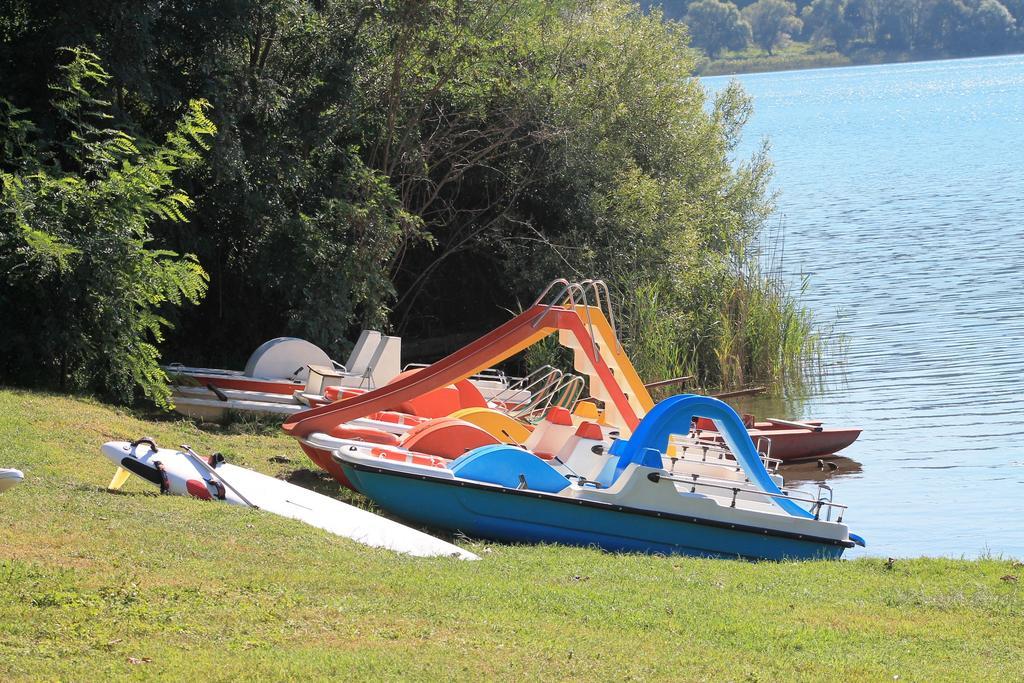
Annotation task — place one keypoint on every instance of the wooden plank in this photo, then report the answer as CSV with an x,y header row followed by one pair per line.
x,y
668,382
741,392
791,423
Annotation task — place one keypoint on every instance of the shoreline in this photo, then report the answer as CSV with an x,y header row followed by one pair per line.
x,y
803,61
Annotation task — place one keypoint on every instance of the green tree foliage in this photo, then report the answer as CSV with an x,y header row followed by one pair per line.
x,y
991,28
83,294
940,23
716,26
825,20
772,21
428,165
896,24
924,28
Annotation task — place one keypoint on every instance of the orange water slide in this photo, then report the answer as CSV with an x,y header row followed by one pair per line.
x,y
615,357
505,341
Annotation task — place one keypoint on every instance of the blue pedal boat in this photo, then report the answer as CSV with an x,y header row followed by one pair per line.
x,y
640,494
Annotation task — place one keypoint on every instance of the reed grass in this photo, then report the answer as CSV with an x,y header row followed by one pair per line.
x,y
734,326
766,335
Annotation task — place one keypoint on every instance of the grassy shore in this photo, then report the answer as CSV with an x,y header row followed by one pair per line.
x,y
799,56
95,585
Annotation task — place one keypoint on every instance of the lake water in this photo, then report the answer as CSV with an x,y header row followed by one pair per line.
x,y
902,194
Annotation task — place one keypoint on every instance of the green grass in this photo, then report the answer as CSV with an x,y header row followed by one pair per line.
x,y
797,55
794,55
95,585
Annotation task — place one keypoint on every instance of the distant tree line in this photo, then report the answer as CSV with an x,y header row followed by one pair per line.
x,y
911,27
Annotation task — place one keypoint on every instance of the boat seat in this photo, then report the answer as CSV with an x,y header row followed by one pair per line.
x,y
583,454
386,363
510,467
447,437
645,457
551,433
359,360
443,401
501,426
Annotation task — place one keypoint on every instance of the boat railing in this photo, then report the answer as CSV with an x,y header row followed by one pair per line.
x,y
570,392
822,488
559,389
488,375
528,383
492,375
718,451
722,463
817,504
564,394
538,392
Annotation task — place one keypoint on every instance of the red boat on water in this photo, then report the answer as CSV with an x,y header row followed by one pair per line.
x,y
789,440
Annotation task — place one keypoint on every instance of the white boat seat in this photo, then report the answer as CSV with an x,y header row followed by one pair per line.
x,y
551,433
362,352
386,362
583,454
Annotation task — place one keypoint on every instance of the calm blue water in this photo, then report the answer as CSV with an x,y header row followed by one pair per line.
x,y
902,194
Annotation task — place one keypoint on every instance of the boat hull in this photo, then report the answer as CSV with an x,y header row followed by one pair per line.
x,y
215,410
794,445
237,382
511,515
321,457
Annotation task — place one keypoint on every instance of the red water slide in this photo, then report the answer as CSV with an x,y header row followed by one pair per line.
x,y
520,332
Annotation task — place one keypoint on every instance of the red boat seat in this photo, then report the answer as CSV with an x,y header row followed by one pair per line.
x,y
444,401
338,393
370,434
446,437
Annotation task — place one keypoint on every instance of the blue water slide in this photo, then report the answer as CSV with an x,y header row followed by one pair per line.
x,y
674,416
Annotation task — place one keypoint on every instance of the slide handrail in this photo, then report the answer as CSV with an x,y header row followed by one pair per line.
x,y
550,286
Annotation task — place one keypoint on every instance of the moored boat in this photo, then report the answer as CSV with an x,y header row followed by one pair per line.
x,y
287,375
620,498
790,440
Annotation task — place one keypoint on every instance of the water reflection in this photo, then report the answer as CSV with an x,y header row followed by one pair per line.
x,y
830,468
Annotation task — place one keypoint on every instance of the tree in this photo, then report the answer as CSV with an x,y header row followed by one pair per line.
x,y
428,165
896,24
991,28
84,297
842,21
771,21
825,20
715,26
942,25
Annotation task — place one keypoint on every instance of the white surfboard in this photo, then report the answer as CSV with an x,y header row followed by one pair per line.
x,y
186,473
10,479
